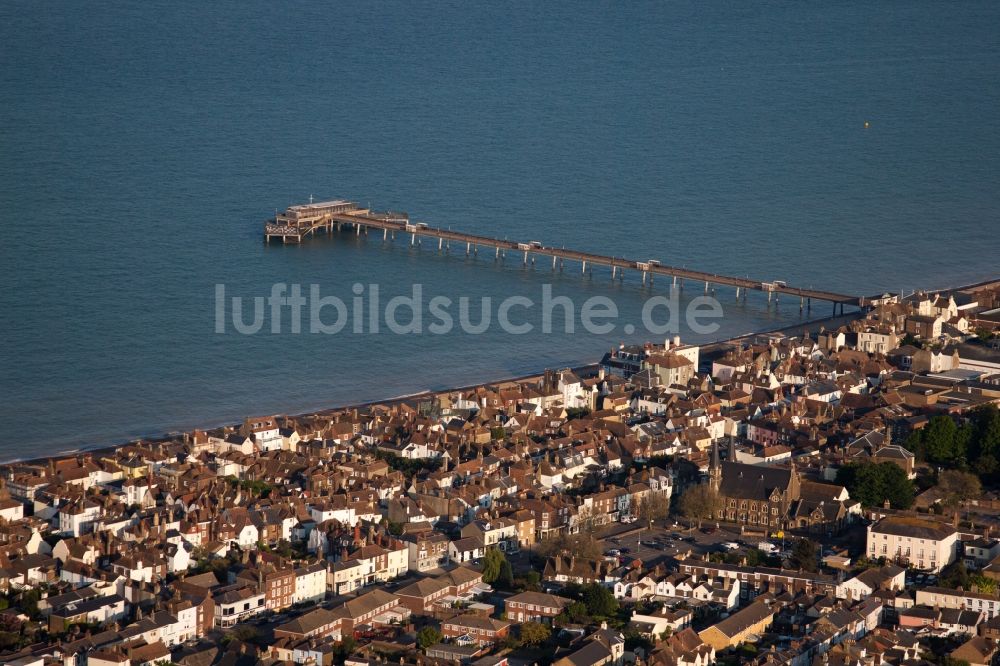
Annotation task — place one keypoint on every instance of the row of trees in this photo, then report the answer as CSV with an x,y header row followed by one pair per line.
x,y
874,483
974,445
592,601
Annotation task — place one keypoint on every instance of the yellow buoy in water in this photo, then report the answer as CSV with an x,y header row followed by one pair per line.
x,y
867,125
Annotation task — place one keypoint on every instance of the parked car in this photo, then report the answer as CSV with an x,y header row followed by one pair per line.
x,y
768,547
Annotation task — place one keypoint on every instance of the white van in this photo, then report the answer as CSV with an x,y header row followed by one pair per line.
x,y
768,547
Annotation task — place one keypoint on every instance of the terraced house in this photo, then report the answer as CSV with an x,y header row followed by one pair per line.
x,y
534,607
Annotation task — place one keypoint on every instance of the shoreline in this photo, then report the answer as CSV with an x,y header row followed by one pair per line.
x,y
708,348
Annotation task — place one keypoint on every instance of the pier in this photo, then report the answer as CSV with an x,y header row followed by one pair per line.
x,y
301,221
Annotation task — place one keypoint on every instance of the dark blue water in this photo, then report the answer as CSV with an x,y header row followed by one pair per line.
x,y
141,146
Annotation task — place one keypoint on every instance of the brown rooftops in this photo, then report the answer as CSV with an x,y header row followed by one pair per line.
x,y
910,526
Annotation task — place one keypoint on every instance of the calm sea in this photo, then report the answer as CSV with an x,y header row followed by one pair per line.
x,y
142,145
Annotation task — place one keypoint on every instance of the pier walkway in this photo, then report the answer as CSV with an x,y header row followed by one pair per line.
x,y
299,222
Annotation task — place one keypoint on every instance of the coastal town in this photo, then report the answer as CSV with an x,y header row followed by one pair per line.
x,y
824,496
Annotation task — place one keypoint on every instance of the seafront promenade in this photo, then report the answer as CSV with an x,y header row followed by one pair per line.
x,y
585,368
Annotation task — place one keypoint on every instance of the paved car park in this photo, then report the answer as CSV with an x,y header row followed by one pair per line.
x,y
649,545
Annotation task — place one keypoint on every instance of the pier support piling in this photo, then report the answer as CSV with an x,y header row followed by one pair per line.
x,y
584,267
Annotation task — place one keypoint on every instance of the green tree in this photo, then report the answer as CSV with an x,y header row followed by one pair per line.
x,y
9,640
532,580
986,465
984,584
939,441
985,440
599,599
872,484
493,563
577,612
700,502
804,554
955,575
534,633
635,639
428,636
344,648
506,579
29,601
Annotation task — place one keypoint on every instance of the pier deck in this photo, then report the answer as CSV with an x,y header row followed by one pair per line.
x,y
299,222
